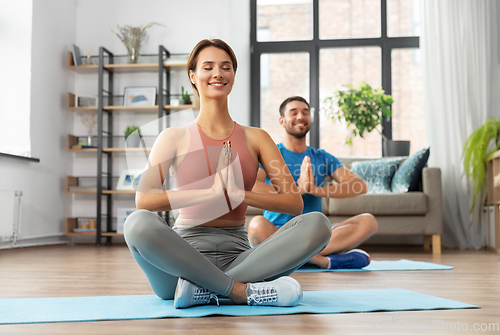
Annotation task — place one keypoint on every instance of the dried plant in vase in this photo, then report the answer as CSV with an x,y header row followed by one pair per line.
x,y
89,120
133,37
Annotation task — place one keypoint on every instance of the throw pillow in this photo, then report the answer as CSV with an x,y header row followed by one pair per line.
x,y
377,174
409,174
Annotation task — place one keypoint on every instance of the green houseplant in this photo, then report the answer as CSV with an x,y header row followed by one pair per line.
x,y
185,99
361,107
132,136
477,148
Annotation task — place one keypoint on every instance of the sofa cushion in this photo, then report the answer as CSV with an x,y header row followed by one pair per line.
x,y
377,174
411,203
254,211
409,174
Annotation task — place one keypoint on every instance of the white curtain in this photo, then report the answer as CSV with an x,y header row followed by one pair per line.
x,y
459,45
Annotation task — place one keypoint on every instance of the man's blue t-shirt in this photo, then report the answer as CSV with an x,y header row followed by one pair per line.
x,y
323,164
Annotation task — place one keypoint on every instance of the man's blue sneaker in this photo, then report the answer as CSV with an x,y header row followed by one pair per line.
x,y
352,259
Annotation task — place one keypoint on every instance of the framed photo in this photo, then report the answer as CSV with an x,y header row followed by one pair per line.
x,y
127,180
139,96
82,101
77,59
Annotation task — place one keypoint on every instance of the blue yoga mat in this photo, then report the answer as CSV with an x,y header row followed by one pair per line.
x,y
40,310
399,265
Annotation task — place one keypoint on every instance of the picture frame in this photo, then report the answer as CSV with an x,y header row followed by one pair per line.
x,y
86,101
127,179
139,96
77,59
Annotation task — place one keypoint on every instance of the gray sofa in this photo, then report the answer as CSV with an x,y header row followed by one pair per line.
x,y
410,213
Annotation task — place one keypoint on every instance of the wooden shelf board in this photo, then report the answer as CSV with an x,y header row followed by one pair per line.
x,y
131,109
111,234
80,234
125,149
103,234
175,64
178,107
110,150
84,68
146,67
150,67
493,155
492,203
83,109
144,109
118,191
83,150
103,192
86,192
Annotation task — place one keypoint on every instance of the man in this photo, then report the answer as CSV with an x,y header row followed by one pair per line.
x,y
309,167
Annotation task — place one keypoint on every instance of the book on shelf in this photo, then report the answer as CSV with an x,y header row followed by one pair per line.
x,y
77,60
82,146
84,230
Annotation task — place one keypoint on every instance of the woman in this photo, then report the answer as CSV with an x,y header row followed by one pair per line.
x,y
214,163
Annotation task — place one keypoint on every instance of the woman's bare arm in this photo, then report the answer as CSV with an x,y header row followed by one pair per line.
x,y
150,194
286,198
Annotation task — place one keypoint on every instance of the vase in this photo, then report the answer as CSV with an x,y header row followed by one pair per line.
x,y
133,55
89,137
133,141
392,148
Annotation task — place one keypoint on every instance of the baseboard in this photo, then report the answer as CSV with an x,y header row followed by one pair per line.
x,y
34,242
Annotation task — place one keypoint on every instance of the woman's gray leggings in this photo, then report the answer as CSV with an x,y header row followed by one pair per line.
x,y
164,255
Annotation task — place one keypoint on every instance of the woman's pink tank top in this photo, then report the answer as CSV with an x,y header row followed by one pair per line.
x,y
197,171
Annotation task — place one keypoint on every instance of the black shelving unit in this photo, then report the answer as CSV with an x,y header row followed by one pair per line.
x,y
109,104
104,182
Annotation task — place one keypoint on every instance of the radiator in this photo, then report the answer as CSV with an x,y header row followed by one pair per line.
x,y
10,215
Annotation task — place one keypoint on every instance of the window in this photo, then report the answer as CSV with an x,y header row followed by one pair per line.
x,y
290,76
408,121
313,47
349,18
337,67
286,20
15,81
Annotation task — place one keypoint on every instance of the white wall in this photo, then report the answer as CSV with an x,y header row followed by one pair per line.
x,y
42,184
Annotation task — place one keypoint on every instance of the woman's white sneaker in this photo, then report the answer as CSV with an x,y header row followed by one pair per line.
x,y
188,294
283,292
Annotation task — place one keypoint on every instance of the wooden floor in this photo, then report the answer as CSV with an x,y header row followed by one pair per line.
x,y
86,270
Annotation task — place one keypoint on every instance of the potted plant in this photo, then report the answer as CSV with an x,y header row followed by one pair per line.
x,y
477,148
185,99
132,136
363,109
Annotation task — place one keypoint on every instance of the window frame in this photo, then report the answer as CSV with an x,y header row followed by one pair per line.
x,y
313,47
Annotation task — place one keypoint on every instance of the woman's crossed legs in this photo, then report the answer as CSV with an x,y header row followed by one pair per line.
x,y
164,256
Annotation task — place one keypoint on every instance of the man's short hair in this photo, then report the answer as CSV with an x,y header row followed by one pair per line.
x,y
290,99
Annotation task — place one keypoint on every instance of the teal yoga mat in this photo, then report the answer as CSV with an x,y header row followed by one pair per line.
x,y
399,265
42,310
